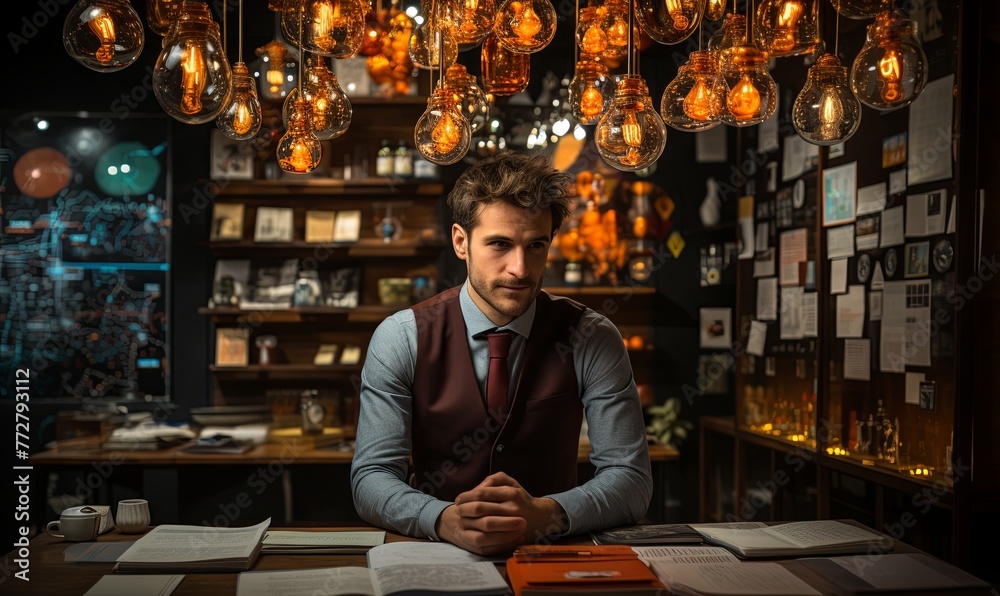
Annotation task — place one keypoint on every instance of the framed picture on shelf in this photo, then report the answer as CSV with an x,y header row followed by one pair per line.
x,y
274,224
347,226
232,347
918,259
231,160
326,355
227,221
343,288
319,226
351,355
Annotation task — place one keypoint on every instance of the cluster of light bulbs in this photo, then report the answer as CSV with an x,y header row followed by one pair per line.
x,y
728,83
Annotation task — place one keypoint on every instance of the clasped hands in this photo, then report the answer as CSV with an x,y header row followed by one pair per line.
x,y
497,516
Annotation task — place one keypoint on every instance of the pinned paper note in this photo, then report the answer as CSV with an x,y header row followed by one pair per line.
x,y
767,299
838,276
757,339
857,359
851,312
913,381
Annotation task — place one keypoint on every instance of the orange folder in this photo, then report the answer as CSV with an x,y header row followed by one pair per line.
x,y
585,570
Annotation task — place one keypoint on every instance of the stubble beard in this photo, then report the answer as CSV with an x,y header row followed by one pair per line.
x,y
490,293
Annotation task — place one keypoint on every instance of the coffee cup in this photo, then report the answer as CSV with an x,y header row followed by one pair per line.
x,y
76,524
133,516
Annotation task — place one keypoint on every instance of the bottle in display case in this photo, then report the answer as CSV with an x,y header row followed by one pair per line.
x,y
403,160
384,160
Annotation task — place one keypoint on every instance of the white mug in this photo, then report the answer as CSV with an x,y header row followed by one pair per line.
x,y
133,516
77,524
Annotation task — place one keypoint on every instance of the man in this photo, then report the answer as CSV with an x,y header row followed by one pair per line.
x,y
485,387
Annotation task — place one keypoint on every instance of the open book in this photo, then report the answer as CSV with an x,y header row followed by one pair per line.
x,y
194,548
821,537
713,570
397,568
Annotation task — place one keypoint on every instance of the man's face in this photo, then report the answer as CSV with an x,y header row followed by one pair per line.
x,y
505,254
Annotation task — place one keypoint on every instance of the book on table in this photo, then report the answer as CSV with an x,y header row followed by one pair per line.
x,y
305,542
648,534
398,568
194,548
820,537
537,570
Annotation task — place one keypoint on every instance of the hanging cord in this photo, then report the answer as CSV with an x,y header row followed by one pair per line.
x,y
576,46
836,36
225,43
302,49
239,50
631,50
700,23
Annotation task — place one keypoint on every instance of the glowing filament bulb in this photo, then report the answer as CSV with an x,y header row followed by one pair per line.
x,y
325,18
446,133
592,102
301,156
275,78
788,20
243,120
103,27
632,135
889,72
743,100
676,11
618,32
831,115
193,79
699,102
595,40
525,23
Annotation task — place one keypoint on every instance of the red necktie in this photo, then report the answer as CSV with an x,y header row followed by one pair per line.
x,y
498,377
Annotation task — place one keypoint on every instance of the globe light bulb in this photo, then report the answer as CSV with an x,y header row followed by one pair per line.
x,y
241,118
748,87
787,27
631,135
442,135
615,26
330,108
691,101
473,22
299,151
669,21
470,99
714,9
103,35
826,112
525,26
161,13
329,27
504,72
860,9
590,91
192,79
890,71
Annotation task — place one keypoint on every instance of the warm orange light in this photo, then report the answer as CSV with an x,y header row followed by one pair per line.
x,y
193,78
787,30
300,159
890,74
103,27
326,16
618,32
743,100
631,129
446,133
525,23
699,104
592,102
676,11
831,115
594,40
243,120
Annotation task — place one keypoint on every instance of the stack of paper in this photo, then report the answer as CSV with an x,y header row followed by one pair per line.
x,y
341,543
608,569
821,537
703,570
195,548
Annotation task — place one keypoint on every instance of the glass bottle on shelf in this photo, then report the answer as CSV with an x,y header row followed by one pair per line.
x,y
403,160
384,160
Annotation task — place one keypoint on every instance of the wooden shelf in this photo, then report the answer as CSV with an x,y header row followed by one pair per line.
x,y
364,248
300,188
893,479
312,370
363,313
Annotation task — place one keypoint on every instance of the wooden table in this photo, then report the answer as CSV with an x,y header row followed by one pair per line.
x,y
50,575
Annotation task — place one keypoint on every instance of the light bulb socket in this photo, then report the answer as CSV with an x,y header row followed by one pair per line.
x,y
630,86
828,69
195,19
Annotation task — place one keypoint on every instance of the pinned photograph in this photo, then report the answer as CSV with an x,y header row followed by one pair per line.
x,y
231,160
274,224
917,259
894,150
716,325
227,221
347,226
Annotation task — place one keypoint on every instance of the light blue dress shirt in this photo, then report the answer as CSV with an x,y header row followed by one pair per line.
x,y
622,485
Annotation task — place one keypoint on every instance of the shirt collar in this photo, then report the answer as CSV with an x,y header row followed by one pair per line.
x,y
476,322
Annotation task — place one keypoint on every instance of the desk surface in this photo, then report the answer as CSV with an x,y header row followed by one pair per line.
x,y
50,575
287,453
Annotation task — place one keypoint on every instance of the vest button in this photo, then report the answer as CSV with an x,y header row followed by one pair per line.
x,y
499,448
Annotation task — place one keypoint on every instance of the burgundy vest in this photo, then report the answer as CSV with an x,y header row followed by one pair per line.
x,y
456,443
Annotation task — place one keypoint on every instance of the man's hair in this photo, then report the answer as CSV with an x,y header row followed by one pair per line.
x,y
527,181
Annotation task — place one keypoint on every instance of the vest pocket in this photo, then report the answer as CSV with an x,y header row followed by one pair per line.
x,y
551,401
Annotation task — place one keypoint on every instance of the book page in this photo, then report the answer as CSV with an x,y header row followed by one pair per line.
x,y
733,578
306,582
130,585
821,533
458,577
684,554
756,538
419,553
293,538
173,544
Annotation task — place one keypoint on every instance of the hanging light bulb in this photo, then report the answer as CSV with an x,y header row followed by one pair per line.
x,y
473,22
192,80
329,27
714,9
103,35
277,67
429,41
161,13
826,112
442,135
241,118
467,96
330,108
860,9
393,65
669,21
525,26
749,89
371,40
615,25
890,70
631,135
590,91
731,35
787,27
299,151
691,101
589,35
504,72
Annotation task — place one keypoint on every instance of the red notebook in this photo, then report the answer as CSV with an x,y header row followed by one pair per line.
x,y
585,570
